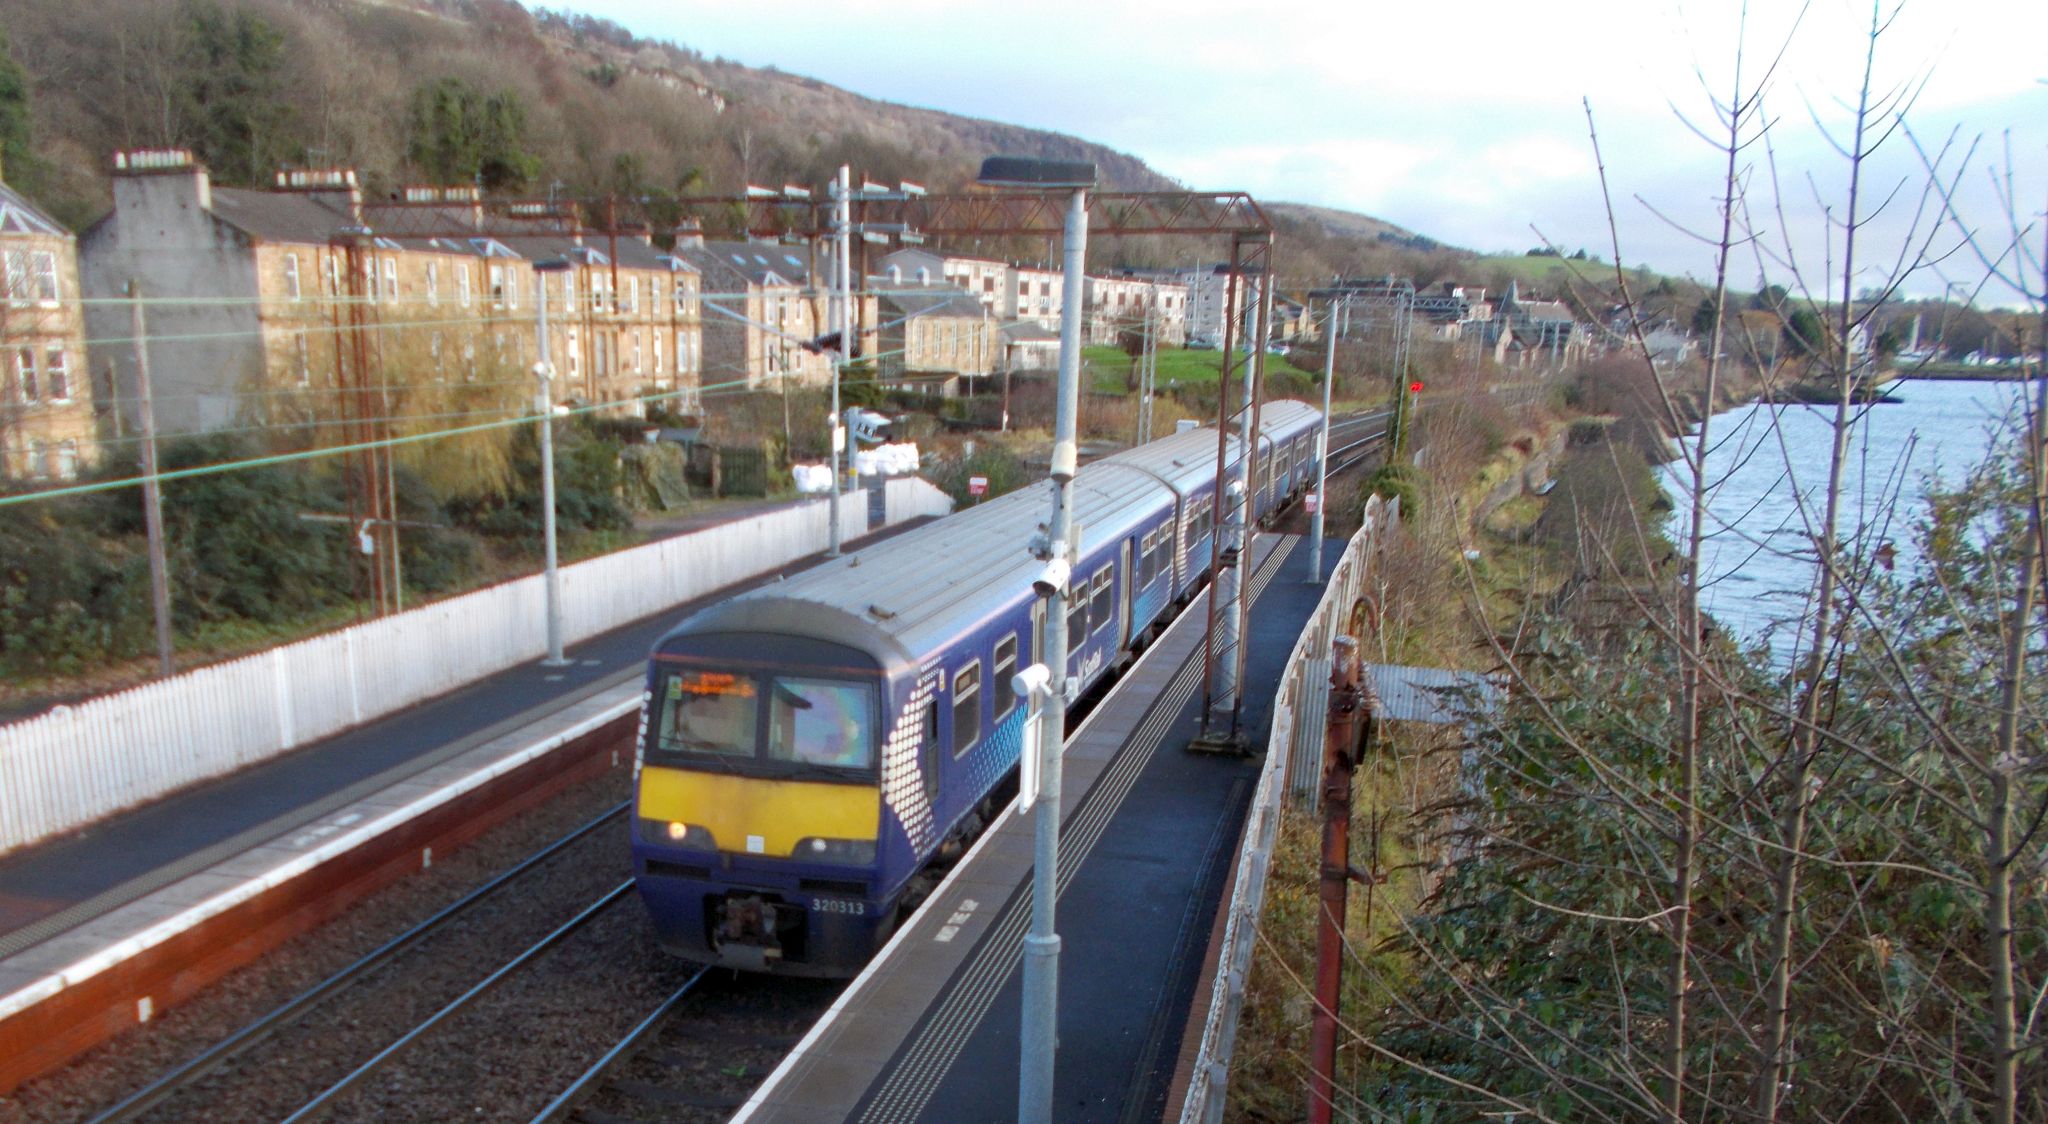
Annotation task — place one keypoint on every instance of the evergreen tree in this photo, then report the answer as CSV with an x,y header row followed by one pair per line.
x,y
17,156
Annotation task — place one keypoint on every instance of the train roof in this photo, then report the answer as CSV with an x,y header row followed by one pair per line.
x,y
920,589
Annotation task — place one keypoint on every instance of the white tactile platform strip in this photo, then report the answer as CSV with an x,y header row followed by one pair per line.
x,y
43,970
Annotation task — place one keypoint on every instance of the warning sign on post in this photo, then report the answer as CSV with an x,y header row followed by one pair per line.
x,y
977,485
1311,502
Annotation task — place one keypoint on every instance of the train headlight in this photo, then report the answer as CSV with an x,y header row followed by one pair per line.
x,y
688,836
852,852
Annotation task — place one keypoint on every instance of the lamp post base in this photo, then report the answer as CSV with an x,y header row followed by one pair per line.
x,y
1222,741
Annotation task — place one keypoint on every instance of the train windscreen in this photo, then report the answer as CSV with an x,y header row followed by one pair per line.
x,y
720,718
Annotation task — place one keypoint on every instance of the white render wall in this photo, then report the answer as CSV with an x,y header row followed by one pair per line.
x,y
75,764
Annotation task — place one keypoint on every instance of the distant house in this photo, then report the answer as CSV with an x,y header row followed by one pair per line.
x,y
760,310
47,426
1029,346
933,337
1034,294
1532,332
268,305
1210,304
986,278
1668,344
1132,297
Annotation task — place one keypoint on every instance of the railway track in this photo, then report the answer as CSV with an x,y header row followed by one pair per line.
x,y
698,1055
189,1076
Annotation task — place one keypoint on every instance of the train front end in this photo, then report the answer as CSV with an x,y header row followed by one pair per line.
x,y
759,839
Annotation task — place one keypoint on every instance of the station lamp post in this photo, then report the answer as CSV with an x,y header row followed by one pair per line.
x,y
1056,550
544,405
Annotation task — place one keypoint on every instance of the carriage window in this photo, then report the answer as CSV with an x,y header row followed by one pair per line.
x,y
1077,614
1099,607
821,722
966,707
708,712
1006,668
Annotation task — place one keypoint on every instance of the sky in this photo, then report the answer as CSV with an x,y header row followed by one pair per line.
x,y
1467,122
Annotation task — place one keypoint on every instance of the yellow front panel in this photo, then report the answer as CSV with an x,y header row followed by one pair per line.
x,y
780,812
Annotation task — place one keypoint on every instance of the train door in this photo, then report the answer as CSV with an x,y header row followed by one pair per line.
x,y
1129,574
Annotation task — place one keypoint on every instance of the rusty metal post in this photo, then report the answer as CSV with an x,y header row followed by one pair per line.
x,y
1340,760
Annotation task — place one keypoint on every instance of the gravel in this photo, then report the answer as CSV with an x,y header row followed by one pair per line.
x,y
268,1081
507,1055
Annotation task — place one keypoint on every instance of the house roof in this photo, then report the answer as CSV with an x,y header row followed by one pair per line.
x,y
755,263
931,300
1028,331
19,216
279,216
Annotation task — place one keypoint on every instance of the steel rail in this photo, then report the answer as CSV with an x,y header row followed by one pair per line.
x,y
626,1048
187,1074
318,1106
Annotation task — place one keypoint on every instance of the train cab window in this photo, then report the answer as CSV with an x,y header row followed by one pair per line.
x,y
708,712
821,722
966,707
1099,608
1006,669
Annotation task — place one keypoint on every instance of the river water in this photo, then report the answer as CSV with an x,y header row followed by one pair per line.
x,y
1766,483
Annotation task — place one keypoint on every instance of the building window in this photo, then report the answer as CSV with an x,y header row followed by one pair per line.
x,y
511,288
637,367
391,279
497,279
966,707
57,374
44,279
685,360
15,283
434,355
300,359
601,362
67,460
629,295
333,276
657,352
682,297
25,374
469,359
291,277
462,285
433,282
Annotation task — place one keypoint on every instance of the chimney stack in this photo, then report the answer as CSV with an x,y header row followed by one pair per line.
x,y
145,177
336,188
689,235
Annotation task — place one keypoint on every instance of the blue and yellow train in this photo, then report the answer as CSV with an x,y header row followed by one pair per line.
x,y
808,749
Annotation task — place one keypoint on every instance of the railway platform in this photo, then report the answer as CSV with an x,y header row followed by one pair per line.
x,y
102,927
929,1032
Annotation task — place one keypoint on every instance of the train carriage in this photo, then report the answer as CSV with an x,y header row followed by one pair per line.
x,y
809,747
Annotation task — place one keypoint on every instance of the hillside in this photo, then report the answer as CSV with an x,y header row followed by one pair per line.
x,y
525,102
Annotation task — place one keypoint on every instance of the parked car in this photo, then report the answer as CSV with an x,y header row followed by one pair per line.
x,y
1201,343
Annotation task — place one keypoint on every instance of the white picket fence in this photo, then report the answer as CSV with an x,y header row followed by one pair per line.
x,y
1293,766
75,764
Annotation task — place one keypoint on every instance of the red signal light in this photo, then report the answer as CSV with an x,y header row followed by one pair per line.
x,y
1415,388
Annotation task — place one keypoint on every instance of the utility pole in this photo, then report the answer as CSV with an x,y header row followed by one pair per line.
x,y
152,500
842,277
1315,540
544,405
1350,701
